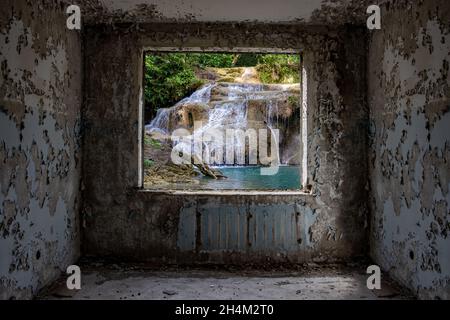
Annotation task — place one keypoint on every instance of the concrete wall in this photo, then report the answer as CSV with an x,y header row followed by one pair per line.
x,y
334,12
408,77
40,103
123,222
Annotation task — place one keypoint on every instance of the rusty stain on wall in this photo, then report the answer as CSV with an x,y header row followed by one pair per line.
x,y
409,160
40,102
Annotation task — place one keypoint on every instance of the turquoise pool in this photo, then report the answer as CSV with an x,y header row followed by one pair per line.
x,y
250,178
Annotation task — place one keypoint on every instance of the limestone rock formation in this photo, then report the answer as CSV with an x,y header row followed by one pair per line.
x,y
218,106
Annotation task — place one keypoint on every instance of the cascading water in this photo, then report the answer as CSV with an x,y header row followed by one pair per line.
x,y
228,115
161,121
230,112
242,90
202,95
271,110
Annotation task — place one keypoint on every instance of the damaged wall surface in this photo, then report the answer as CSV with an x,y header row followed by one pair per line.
x,y
410,111
40,104
221,227
378,139
314,12
121,221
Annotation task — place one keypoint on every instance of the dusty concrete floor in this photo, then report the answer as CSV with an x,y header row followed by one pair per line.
x,y
123,282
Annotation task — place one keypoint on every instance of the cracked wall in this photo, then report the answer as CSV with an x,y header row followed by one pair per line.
x,y
121,221
40,104
408,94
314,12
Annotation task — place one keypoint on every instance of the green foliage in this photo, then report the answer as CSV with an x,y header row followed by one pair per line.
x,y
147,140
279,68
212,60
148,163
246,60
169,77
155,144
294,100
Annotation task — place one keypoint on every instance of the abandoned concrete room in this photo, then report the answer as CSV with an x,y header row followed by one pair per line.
x,y
324,153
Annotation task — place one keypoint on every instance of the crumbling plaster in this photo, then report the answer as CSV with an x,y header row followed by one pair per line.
x,y
408,94
121,221
408,87
314,12
40,104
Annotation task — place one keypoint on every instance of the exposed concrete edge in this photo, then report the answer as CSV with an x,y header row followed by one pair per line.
x,y
215,49
227,192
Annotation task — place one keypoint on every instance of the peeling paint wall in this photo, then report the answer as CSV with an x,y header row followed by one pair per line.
x,y
216,228
121,221
408,77
40,104
330,12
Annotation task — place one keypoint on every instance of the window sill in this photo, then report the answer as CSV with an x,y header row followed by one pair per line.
x,y
226,192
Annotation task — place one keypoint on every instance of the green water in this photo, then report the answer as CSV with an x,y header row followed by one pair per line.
x,y
250,178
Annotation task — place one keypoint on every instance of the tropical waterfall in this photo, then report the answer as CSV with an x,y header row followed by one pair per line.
x,y
161,121
217,107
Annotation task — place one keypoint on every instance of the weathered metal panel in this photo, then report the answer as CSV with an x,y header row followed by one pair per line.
x,y
252,228
222,228
187,229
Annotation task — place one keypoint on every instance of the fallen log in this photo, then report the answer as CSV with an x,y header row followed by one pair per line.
x,y
206,169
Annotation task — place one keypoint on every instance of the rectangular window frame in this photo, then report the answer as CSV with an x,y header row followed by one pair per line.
x,y
303,119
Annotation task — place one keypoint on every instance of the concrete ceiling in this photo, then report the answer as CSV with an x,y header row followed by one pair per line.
x,y
335,12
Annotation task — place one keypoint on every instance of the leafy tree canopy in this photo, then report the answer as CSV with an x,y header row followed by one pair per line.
x,y
169,77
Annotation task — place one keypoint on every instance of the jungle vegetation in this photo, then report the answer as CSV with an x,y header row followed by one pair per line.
x,y
169,77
